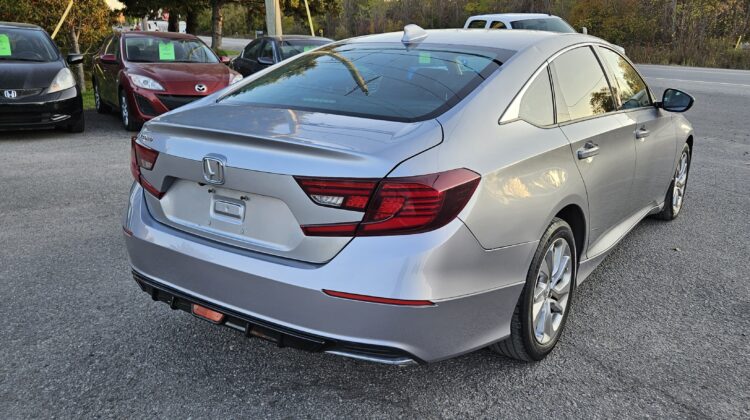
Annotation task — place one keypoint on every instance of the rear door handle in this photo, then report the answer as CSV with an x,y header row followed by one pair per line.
x,y
642,133
588,150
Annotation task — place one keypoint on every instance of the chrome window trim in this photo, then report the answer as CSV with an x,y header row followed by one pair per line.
x,y
511,112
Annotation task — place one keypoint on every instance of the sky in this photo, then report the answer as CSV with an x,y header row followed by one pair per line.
x,y
114,4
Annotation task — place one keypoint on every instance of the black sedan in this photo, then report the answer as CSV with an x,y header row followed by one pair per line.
x,y
269,50
37,89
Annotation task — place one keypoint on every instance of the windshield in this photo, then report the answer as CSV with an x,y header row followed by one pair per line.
x,y
382,81
553,24
146,49
292,47
26,45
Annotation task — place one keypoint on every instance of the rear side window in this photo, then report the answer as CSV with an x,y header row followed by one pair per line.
x,y
498,25
477,24
628,85
381,81
536,104
581,89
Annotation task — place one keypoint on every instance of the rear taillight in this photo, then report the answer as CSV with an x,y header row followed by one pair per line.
x,y
343,194
394,206
145,158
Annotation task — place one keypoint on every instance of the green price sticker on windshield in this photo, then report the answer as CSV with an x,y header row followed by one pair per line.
x,y
4,46
166,51
424,58
307,48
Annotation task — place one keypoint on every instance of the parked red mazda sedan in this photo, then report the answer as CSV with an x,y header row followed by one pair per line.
x,y
145,74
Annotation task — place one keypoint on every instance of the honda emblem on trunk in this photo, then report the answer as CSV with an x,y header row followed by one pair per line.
x,y
213,170
10,94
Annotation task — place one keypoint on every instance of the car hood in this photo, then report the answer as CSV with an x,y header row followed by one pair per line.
x,y
27,74
206,73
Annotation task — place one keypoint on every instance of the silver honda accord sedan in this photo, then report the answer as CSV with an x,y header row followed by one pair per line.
x,y
405,197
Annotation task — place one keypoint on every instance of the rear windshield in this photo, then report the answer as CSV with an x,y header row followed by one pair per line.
x,y
292,47
548,24
26,45
146,49
381,81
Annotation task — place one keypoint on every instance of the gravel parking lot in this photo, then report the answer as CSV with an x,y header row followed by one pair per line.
x,y
660,329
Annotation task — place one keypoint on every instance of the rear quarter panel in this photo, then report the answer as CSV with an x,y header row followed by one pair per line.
x,y
528,173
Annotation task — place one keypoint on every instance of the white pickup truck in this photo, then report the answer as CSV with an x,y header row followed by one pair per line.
x,y
529,21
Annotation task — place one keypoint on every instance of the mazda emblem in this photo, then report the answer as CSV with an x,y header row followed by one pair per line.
x,y
213,170
200,87
10,94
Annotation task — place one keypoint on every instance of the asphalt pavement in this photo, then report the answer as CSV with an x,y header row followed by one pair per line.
x,y
660,329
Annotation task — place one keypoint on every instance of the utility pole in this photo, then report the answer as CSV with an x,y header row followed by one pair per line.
x,y
273,17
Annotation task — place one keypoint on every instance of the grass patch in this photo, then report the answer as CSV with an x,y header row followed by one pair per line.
x,y
88,100
228,53
88,96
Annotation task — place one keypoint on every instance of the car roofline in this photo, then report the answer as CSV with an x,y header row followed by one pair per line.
x,y
19,25
157,34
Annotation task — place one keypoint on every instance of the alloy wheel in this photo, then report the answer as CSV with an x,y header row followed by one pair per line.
x,y
97,98
124,110
552,291
680,182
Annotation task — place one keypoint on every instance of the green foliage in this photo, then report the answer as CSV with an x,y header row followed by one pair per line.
x,y
235,21
696,32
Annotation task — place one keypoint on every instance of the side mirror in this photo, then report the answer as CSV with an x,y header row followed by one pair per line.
x,y
225,60
585,30
108,58
74,59
675,100
265,61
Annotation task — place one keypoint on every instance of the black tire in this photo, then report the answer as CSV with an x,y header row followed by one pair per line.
x,y
125,117
669,211
101,107
77,126
522,343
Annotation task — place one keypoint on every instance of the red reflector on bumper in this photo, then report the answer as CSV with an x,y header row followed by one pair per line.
x,y
207,314
374,299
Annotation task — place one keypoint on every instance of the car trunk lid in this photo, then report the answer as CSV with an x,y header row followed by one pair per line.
x,y
260,206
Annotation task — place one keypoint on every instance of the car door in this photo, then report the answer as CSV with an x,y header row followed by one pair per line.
x,y
110,65
247,59
601,143
651,130
99,70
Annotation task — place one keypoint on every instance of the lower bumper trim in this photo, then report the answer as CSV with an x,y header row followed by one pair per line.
x,y
282,336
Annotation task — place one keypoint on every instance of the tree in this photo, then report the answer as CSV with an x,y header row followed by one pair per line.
x,y
187,9
84,28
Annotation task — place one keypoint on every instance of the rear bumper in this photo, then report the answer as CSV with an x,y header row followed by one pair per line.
x,y
51,111
282,336
475,291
